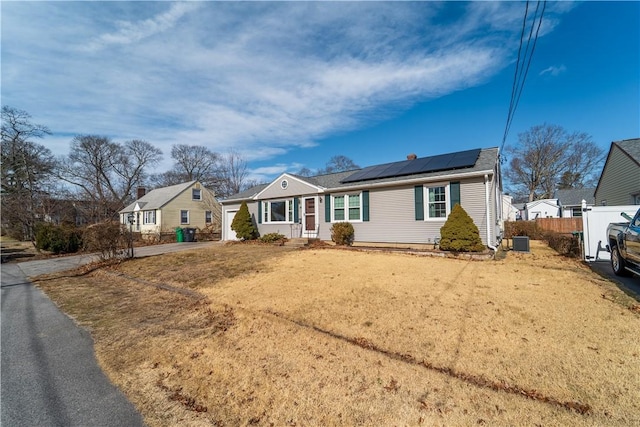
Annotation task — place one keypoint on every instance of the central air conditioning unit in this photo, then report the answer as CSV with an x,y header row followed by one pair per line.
x,y
521,243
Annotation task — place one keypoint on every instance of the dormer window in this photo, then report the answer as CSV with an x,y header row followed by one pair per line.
x,y
196,194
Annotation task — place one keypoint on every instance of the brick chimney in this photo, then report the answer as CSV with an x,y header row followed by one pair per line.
x,y
412,157
141,192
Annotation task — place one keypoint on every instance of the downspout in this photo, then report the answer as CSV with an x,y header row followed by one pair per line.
x,y
487,207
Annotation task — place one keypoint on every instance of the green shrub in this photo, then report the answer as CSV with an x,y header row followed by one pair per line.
x,y
459,233
243,224
109,239
342,233
59,239
272,238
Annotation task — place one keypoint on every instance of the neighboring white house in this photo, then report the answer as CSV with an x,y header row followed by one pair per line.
x,y
509,211
183,205
400,203
544,208
570,201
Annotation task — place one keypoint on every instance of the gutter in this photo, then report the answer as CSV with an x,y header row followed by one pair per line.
x,y
487,207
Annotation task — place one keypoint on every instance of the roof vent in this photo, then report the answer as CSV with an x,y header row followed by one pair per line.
x,y
412,157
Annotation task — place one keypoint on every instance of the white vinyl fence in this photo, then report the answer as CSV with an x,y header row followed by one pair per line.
x,y
595,220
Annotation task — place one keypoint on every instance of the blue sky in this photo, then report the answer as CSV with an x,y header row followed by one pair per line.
x,y
292,84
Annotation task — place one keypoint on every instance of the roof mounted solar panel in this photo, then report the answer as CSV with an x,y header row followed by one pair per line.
x,y
415,166
395,168
459,160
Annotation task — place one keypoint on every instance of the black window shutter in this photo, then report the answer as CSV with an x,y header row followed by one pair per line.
x,y
296,214
419,201
327,208
365,205
454,191
259,212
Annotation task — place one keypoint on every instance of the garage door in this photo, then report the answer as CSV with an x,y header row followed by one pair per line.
x,y
230,234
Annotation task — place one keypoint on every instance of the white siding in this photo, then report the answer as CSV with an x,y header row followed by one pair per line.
x,y
295,187
392,215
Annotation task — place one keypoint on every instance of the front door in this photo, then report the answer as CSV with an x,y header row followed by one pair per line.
x,y
310,217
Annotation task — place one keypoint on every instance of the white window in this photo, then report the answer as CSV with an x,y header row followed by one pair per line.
x,y
184,217
196,194
278,211
347,207
207,217
149,217
437,202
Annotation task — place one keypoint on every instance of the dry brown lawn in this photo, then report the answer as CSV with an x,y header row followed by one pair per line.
x,y
261,335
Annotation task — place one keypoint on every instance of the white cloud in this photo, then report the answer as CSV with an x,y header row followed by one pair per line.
x,y
265,174
260,78
554,70
131,32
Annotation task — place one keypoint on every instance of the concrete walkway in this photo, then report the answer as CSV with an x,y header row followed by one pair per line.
x,y
49,374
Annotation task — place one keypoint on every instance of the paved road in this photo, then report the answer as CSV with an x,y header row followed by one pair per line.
x,y
630,285
49,373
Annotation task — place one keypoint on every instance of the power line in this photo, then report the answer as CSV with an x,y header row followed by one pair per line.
x,y
523,63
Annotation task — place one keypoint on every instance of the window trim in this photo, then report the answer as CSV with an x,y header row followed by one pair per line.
x,y
288,211
193,195
187,211
145,217
447,200
345,207
208,214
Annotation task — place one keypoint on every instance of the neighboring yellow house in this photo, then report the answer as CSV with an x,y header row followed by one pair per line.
x,y
188,205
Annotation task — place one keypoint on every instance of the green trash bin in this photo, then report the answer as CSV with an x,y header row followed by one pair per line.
x,y
179,235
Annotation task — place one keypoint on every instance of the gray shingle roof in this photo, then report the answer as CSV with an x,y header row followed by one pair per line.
x,y
248,193
486,162
155,199
631,147
575,196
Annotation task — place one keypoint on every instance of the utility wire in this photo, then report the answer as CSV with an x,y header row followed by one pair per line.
x,y
522,64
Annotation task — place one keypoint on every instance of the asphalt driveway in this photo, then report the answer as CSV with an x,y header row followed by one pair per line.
x,y
50,376
630,285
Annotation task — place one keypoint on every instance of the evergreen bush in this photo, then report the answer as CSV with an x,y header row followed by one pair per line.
x,y
59,239
243,224
459,233
272,238
342,233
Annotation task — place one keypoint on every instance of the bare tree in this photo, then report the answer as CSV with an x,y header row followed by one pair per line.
x,y
547,157
26,172
105,172
232,174
305,171
335,164
338,163
190,163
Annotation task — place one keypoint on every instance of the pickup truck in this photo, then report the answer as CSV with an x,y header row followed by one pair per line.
x,y
624,245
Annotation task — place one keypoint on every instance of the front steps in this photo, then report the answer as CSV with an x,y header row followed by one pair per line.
x,y
297,242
